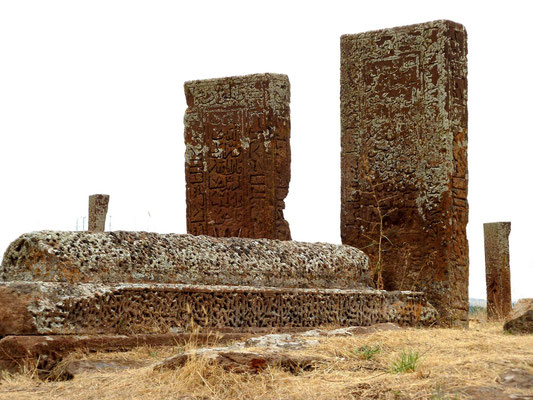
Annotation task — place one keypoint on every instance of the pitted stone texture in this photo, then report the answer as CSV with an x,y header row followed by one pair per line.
x,y
237,158
97,212
115,257
497,269
404,161
62,308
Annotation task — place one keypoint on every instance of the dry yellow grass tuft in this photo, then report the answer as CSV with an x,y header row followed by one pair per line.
x,y
450,362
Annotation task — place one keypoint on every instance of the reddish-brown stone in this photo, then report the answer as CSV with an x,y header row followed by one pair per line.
x,y
404,161
237,160
497,269
246,361
44,352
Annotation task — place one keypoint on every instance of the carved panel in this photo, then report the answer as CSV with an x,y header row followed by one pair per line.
x,y
237,156
55,308
404,171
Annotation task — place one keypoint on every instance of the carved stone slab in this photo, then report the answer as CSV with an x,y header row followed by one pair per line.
x,y
237,158
62,308
404,163
497,269
119,256
97,212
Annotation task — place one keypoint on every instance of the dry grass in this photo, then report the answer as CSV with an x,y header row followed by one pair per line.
x,y
451,360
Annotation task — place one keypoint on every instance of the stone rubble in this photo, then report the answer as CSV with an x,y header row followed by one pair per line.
x,y
279,350
520,319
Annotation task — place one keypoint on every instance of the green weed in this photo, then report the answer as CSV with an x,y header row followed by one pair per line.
x,y
407,361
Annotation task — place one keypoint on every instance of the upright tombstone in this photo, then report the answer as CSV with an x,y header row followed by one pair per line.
x,y
497,269
97,212
237,158
404,159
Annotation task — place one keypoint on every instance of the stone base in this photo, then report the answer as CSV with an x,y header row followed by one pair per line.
x,y
42,353
58,308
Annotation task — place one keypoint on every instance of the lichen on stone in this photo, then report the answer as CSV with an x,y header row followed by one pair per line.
x,y
122,256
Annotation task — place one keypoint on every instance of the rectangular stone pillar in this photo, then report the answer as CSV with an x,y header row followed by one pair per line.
x,y
404,159
97,212
237,159
497,269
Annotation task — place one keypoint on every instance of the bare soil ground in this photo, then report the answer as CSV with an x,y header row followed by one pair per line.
x,y
453,364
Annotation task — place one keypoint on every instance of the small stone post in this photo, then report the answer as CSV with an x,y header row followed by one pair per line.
x,y
497,270
97,212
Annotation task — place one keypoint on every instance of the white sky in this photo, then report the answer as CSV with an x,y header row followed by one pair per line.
x,y
91,101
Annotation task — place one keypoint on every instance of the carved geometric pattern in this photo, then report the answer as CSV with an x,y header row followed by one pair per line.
x,y
238,156
404,161
57,308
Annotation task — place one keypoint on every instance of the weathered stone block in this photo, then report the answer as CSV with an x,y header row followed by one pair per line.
x,y
60,308
497,269
116,257
404,161
97,212
520,319
237,158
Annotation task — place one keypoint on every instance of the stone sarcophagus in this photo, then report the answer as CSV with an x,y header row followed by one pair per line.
x,y
404,159
143,257
237,158
137,282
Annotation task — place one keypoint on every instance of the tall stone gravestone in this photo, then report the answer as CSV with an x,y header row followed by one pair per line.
x,y
497,269
404,159
237,160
